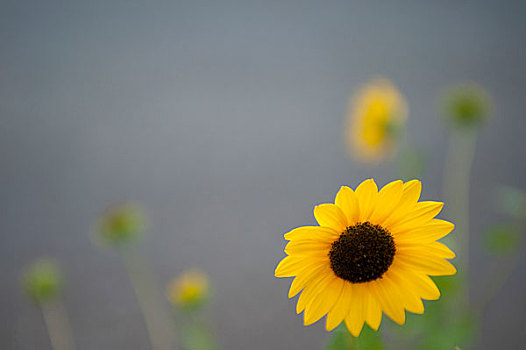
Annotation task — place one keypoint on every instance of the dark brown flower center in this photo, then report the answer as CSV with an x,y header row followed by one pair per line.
x,y
363,253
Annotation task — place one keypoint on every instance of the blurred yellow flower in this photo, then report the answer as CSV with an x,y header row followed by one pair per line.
x,y
377,114
190,289
372,252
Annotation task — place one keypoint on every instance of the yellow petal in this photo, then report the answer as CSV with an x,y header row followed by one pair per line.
x,y
373,312
330,215
308,248
347,201
422,213
367,193
408,200
427,264
412,190
435,249
323,302
292,265
409,297
303,278
388,199
341,307
420,283
433,230
315,286
312,232
355,318
389,298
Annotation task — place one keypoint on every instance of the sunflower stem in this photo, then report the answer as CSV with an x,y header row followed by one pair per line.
x,y
57,325
457,176
502,270
144,283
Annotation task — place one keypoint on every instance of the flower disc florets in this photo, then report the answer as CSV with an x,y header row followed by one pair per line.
x,y
363,253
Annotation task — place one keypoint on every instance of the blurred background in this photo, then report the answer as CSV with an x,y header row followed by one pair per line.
x,y
225,121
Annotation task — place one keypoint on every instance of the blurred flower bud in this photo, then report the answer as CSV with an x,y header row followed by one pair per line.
x,y
42,281
466,106
376,120
189,290
120,225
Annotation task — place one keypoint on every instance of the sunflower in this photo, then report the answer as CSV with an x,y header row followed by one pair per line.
x,y
376,116
372,252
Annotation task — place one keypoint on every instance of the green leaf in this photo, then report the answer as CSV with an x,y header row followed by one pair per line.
x,y
368,339
340,339
502,238
458,331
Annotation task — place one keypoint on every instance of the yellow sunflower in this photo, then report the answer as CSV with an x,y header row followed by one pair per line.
x,y
376,116
373,252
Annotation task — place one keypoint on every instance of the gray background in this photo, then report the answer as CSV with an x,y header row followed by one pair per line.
x,y
225,120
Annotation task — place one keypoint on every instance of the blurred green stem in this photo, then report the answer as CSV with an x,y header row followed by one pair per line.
x,y
501,271
56,320
144,283
457,176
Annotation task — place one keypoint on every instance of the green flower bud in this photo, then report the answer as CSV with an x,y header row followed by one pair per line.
x,y
466,106
190,290
42,281
120,225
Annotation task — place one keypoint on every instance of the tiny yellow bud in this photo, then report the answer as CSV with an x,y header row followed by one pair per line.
x,y
189,290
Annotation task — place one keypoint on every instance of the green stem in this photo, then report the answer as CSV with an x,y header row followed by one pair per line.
x,y
457,176
56,320
144,283
501,272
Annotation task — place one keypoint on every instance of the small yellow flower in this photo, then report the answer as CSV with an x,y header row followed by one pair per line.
x,y
190,289
372,252
377,114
